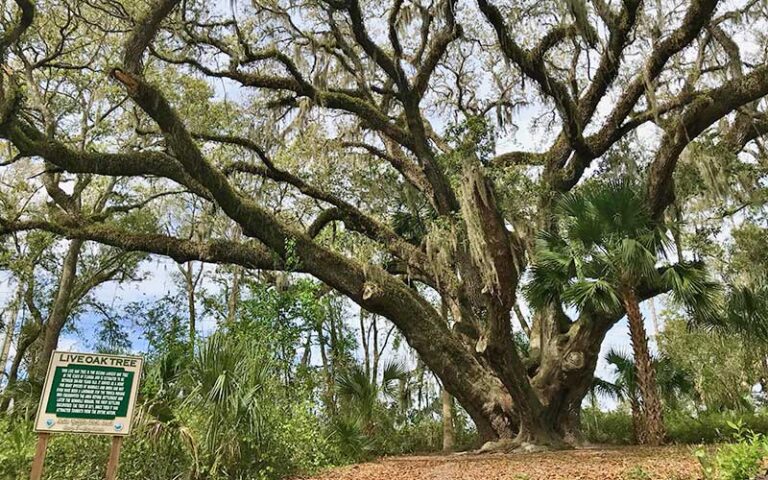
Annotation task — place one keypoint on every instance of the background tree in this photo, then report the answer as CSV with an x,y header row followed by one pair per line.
x,y
413,112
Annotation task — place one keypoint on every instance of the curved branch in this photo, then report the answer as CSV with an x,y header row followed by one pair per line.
x,y
180,250
700,115
24,21
143,33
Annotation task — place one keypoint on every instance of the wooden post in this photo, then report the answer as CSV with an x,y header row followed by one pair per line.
x,y
39,460
114,457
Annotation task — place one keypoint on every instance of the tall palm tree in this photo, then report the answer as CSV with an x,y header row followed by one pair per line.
x,y
607,248
673,384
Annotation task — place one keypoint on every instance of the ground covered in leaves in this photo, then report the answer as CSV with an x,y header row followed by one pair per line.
x,y
613,463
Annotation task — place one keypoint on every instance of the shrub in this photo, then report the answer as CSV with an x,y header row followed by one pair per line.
x,y
613,427
17,447
737,461
711,427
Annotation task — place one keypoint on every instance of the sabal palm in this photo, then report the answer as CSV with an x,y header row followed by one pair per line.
x,y
745,311
364,394
607,248
231,379
673,384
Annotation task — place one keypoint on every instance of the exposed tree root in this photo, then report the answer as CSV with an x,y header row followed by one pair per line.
x,y
520,445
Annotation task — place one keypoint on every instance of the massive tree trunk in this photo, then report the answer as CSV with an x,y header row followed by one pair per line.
x,y
564,355
560,370
652,411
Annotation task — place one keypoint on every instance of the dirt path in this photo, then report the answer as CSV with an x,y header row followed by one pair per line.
x,y
614,463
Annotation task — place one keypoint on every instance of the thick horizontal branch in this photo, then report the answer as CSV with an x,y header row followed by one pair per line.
x,y
180,250
353,218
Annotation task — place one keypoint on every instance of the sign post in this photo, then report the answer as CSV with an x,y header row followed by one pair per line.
x,y
87,393
114,457
37,463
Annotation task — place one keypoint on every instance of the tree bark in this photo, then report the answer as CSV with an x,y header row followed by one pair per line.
x,y
521,319
328,397
190,284
638,421
449,434
60,310
10,328
375,348
654,431
233,300
364,341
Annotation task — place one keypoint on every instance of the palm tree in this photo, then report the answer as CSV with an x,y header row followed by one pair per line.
x,y
231,381
608,249
745,311
362,398
673,384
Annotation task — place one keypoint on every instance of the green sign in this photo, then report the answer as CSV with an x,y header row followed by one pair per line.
x,y
83,391
89,393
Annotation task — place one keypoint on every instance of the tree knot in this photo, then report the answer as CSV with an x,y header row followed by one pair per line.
x,y
371,290
131,84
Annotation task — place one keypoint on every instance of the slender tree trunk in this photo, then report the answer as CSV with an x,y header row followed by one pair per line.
x,y
654,317
10,329
189,282
646,376
13,374
447,399
375,348
306,357
449,435
521,318
234,295
60,310
364,341
330,403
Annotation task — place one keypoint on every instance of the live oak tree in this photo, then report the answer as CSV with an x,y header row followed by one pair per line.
x,y
412,97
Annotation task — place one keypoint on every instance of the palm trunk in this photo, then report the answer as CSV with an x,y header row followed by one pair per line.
x,y
638,421
449,436
654,431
